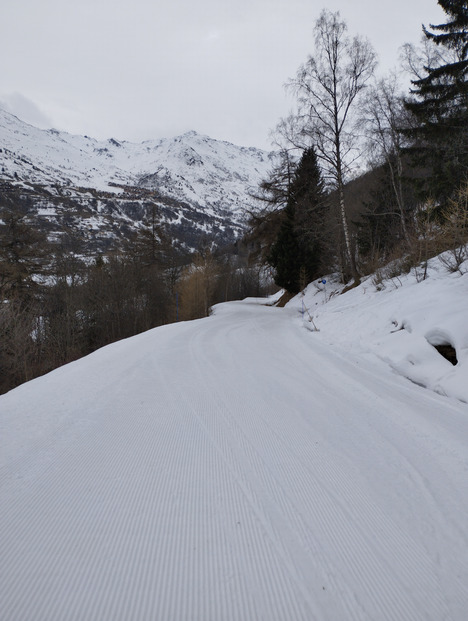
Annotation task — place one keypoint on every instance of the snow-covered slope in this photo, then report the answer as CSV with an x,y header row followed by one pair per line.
x,y
196,173
401,321
243,467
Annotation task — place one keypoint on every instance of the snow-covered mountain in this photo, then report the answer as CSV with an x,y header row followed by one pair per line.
x,y
202,187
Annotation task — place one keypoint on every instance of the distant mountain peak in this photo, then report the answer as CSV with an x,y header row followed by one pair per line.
x,y
207,183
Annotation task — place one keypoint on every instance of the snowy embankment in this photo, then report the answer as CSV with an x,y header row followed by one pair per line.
x,y
242,467
399,320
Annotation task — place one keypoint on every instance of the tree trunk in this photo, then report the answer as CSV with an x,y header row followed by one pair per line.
x,y
344,223
398,190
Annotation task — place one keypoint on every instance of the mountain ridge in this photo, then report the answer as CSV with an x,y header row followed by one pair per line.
x,y
204,183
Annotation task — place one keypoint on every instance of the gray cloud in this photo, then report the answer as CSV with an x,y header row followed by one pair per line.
x,y
25,109
148,69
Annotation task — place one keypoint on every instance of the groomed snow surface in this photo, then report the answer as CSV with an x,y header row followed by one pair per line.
x,y
246,467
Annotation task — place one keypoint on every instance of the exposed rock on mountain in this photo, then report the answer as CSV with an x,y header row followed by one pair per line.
x,y
101,190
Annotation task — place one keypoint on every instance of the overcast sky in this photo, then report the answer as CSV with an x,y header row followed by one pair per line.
x,y
142,69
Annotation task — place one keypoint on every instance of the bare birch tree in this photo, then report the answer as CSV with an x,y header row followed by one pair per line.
x,y
327,87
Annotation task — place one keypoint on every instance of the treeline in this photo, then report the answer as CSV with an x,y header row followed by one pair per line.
x,y
58,306
320,214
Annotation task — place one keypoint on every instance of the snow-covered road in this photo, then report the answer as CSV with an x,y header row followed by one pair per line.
x,y
234,468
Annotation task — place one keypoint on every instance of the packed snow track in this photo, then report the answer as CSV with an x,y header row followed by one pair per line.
x,y
232,468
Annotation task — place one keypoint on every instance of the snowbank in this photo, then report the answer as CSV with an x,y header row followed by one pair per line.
x,y
400,321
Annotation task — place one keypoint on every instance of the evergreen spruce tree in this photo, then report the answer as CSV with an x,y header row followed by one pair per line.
x,y
296,252
308,195
285,254
440,106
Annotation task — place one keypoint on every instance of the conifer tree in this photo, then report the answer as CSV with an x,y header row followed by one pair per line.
x,y
308,196
440,105
285,254
296,252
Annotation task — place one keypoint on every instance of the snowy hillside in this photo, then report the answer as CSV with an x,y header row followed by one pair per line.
x,y
206,182
246,467
400,321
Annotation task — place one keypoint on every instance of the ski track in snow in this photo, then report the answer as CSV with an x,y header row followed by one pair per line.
x,y
234,468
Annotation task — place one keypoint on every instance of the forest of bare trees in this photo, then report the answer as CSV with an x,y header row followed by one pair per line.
x,y
57,306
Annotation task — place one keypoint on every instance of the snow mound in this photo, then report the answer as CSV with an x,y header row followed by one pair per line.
x,y
400,321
